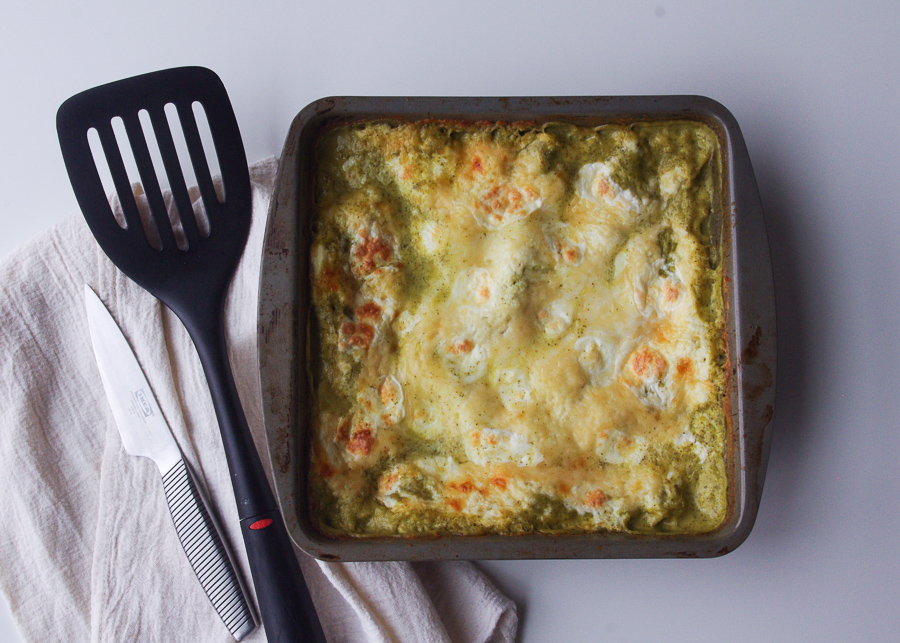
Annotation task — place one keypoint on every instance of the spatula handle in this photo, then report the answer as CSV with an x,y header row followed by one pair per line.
x,y
289,615
285,606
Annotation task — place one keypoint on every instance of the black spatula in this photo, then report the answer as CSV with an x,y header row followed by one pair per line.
x,y
190,272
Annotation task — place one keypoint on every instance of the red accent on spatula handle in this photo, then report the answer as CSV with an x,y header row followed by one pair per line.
x,y
285,605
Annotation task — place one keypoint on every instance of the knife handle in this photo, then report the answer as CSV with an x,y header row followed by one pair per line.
x,y
205,550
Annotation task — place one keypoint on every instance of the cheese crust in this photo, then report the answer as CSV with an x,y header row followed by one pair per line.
x,y
517,328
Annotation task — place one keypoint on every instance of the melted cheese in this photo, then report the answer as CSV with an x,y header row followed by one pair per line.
x,y
512,330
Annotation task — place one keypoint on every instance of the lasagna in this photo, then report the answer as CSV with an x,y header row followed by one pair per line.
x,y
517,328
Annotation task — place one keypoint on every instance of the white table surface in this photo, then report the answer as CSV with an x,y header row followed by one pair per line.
x,y
816,90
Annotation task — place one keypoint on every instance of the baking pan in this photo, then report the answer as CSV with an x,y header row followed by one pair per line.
x,y
284,305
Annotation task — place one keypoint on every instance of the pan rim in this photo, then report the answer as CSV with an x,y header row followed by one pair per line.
x,y
750,328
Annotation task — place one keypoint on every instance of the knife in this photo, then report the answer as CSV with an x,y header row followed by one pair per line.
x,y
144,432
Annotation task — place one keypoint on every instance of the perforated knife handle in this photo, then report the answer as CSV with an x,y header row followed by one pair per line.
x,y
206,551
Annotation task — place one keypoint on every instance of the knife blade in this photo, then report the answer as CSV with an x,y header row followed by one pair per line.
x,y
146,433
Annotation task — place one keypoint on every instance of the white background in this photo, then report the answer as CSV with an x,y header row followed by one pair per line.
x,y
816,89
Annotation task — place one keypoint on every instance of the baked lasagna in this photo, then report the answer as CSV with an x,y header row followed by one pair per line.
x,y
517,328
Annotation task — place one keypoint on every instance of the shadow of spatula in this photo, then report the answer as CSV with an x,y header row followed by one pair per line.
x,y
190,272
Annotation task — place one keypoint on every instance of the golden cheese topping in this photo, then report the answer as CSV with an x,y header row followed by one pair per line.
x,y
517,328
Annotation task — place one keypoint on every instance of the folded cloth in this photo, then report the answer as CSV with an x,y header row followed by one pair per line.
x,y
87,547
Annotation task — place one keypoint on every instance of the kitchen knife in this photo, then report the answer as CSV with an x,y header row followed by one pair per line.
x,y
145,433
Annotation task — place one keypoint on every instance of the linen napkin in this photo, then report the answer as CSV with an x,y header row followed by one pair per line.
x,y
88,551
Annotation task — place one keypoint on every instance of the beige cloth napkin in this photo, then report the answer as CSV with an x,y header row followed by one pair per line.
x,y
88,551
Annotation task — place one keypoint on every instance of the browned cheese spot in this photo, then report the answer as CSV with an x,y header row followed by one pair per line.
x,y
462,346
330,279
648,363
360,334
595,499
388,393
499,482
685,367
369,310
369,252
362,440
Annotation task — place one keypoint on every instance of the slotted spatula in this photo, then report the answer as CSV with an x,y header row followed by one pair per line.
x,y
191,280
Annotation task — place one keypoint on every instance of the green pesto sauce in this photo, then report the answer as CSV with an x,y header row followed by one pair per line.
x,y
639,155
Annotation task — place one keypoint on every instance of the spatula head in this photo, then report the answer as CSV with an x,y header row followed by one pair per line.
x,y
160,242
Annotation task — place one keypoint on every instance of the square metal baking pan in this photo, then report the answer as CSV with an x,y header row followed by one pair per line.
x,y
284,306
